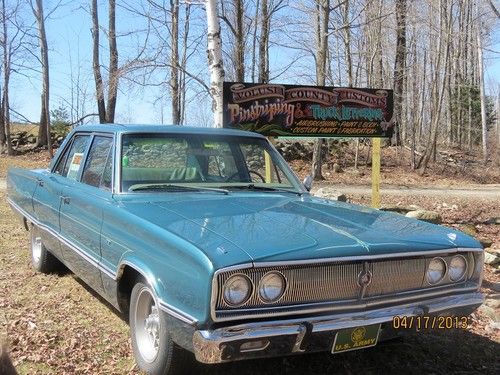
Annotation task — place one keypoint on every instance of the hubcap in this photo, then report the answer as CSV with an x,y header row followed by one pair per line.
x,y
147,325
36,249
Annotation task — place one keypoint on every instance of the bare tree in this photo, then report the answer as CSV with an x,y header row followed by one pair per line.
x,y
233,16
106,112
484,129
13,45
214,51
113,63
44,137
399,65
439,81
322,21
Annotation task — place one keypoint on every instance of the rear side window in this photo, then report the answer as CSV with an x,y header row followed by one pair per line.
x,y
71,161
97,171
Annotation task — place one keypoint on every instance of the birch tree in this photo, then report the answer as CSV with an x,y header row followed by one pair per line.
x,y
215,65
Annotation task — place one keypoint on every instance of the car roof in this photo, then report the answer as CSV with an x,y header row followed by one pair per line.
x,y
177,129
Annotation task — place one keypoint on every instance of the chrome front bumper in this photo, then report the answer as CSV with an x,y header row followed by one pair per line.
x,y
313,334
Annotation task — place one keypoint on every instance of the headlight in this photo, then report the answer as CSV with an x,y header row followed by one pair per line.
x,y
457,268
271,287
436,271
237,290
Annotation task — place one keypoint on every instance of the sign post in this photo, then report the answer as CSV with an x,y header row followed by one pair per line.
x,y
376,173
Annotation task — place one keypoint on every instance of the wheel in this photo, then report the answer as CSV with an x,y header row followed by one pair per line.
x,y
230,178
154,351
41,259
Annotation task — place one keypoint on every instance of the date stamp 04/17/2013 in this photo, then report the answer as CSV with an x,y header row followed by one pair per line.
x,y
430,322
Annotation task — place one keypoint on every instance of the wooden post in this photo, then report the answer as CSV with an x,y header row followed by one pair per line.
x,y
376,173
267,159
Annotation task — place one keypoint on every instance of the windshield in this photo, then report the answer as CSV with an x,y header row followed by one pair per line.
x,y
152,161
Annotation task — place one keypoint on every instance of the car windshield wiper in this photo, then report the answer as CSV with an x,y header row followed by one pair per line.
x,y
174,187
261,188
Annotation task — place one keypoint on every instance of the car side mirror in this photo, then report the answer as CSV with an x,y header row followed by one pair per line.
x,y
308,181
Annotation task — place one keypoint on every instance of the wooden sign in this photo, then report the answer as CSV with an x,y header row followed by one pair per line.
x,y
308,111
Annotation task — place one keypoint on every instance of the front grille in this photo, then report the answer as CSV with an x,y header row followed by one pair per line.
x,y
333,281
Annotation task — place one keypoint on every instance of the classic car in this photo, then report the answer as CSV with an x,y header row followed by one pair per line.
x,y
210,243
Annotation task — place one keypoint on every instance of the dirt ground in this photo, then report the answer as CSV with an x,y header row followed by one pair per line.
x,y
55,325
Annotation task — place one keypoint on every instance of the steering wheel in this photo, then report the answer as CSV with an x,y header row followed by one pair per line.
x,y
230,178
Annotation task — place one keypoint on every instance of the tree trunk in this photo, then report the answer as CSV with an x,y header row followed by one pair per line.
x,y
44,58
322,19
254,39
6,80
214,51
239,60
113,64
399,66
174,61
264,44
439,89
96,66
484,129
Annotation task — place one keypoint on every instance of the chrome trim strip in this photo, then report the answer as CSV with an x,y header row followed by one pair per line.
x,y
365,257
169,309
176,313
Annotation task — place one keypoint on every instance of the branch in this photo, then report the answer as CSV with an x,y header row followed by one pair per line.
x,y
83,118
24,118
495,10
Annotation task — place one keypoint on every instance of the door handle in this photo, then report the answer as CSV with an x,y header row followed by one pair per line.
x,y
39,182
65,200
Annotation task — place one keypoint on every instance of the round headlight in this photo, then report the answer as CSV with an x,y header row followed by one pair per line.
x,y
271,287
457,268
436,271
237,290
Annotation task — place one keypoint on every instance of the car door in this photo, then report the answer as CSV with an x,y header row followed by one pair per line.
x,y
47,196
82,205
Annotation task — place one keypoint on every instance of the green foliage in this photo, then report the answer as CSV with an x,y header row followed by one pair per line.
x,y
461,97
60,121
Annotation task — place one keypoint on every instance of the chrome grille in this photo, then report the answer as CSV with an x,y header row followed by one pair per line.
x,y
396,276
332,282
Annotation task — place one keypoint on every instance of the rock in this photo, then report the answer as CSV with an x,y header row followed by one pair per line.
x,y
486,242
493,301
469,229
399,209
330,193
424,215
493,220
490,313
496,287
493,250
491,259
337,168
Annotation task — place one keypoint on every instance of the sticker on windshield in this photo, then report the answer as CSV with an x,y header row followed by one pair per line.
x,y
210,145
75,165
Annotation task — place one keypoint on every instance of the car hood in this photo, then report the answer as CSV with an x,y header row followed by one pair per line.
x,y
273,227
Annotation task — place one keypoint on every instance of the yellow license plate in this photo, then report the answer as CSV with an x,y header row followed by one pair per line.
x,y
356,338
